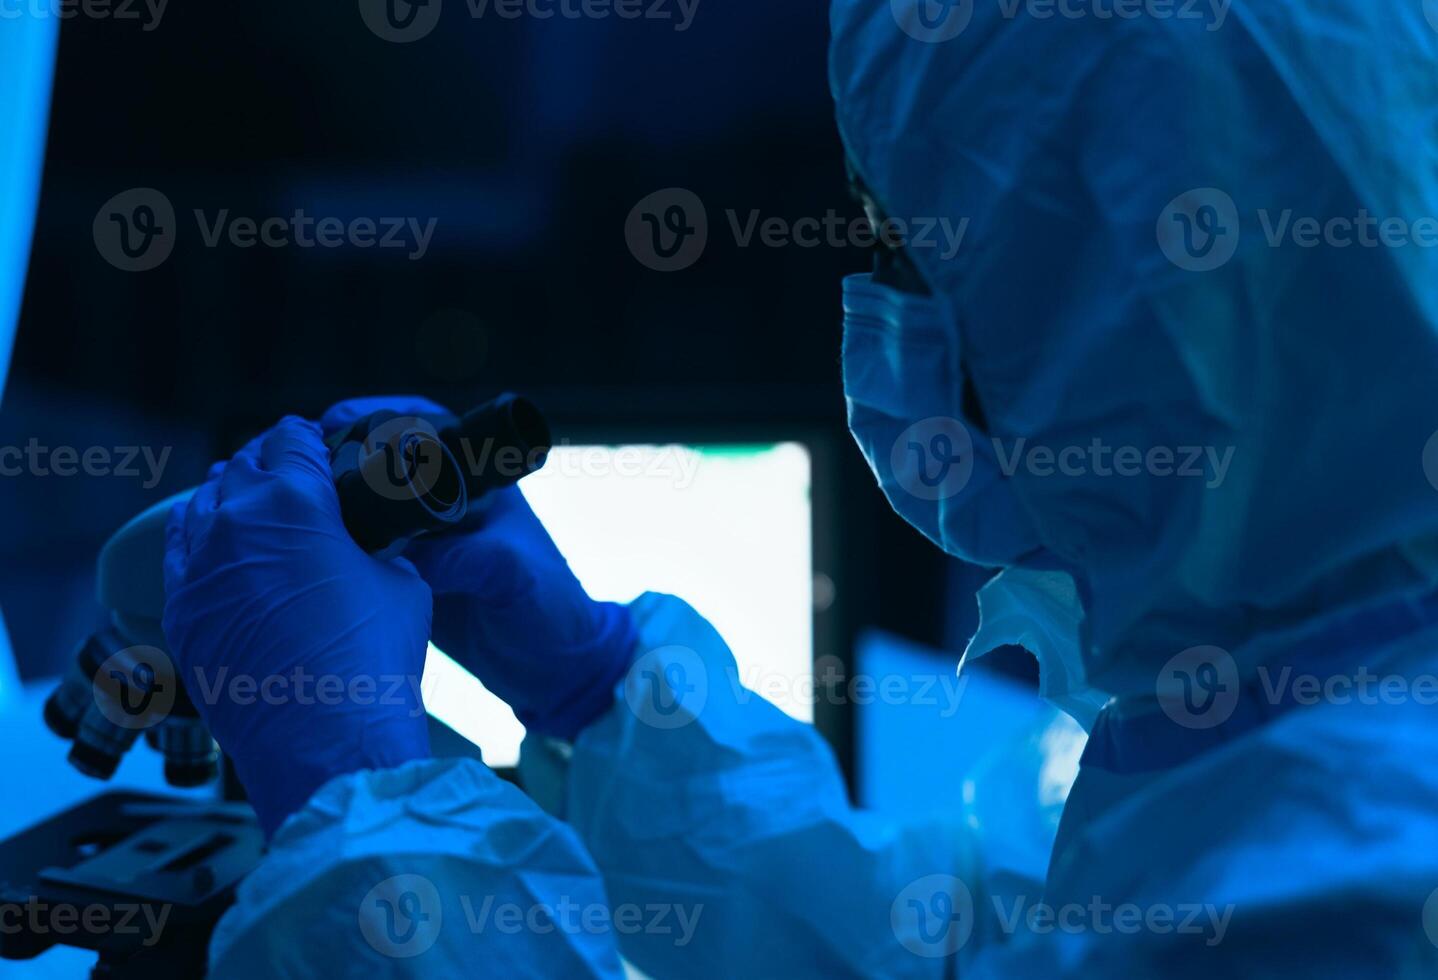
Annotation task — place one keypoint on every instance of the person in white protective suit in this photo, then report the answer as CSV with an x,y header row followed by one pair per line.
x,y
1199,445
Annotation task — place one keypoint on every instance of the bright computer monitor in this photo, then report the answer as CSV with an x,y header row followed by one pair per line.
x,y
728,528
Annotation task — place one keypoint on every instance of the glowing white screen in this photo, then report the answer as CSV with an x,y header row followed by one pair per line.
x,y
726,528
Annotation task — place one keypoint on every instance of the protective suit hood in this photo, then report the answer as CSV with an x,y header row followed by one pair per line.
x,y
1216,428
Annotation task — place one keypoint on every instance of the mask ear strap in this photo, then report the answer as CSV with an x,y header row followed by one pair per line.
x,y
894,268
892,265
972,408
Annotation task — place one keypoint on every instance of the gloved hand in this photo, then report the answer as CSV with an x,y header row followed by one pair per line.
x,y
508,608
302,653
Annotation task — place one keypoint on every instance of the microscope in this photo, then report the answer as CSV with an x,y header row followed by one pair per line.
x,y
397,477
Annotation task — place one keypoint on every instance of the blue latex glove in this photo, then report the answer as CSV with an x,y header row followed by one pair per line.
x,y
302,653
508,608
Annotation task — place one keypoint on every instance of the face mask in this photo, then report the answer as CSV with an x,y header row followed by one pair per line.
x,y
905,394
938,468
1041,612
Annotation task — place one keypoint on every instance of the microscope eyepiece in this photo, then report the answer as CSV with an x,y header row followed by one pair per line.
x,y
396,481
402,476
502,442
114,692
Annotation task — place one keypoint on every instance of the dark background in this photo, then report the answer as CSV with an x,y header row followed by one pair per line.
x,y
530,141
